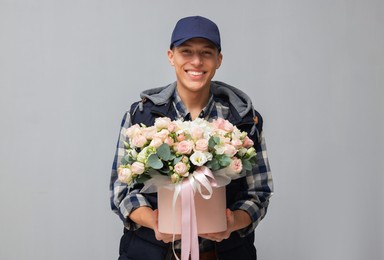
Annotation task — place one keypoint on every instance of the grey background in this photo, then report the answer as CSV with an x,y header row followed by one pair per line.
x,y
69,69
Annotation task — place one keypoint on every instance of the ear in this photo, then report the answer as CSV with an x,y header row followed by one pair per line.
x,y
170,57
219,60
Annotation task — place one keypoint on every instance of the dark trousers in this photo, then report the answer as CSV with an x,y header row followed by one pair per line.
x,y
142,245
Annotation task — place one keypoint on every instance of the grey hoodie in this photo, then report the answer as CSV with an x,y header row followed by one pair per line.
x,y
241,101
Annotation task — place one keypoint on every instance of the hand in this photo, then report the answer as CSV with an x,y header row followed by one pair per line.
x,y
166,238
219,236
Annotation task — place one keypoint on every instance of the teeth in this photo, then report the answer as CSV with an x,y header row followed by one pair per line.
x,y
195,73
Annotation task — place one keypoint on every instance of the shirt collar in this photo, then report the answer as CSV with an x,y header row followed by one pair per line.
x,y
182,111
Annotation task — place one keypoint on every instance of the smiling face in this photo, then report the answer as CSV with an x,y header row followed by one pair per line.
x,y
195,62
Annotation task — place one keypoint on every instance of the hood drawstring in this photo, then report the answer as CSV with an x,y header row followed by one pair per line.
x,y
143,100
255,120
139,106
254,127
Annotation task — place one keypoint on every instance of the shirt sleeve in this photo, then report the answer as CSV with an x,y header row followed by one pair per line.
x,y
260,189
124,199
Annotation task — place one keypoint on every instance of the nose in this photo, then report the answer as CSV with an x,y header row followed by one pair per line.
x,y
197,60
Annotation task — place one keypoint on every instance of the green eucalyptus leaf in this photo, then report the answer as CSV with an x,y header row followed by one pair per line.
x,y
154,162
216,139
177,159
213,165
247,165
164,152
224,160
125,160
165,171
211,142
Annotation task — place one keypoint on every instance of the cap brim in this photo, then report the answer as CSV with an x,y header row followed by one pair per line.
x,y
181,41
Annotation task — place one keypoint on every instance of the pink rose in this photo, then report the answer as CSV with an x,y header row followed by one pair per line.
x,y
218,123
138,168
139,141
201,145
237,143
230,150
162,122
184,147
181,168
227,126
236,165
247,142
180,137
172,127
169,141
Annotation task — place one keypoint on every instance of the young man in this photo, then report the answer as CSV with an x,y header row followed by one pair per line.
x,y
195,54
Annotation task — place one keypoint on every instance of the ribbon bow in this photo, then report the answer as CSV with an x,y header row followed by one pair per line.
x,y
187,188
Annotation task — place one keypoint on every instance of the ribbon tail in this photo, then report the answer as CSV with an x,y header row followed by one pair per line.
x,y
185,220
175,195
194,235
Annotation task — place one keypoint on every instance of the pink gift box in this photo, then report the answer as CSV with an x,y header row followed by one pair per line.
x,y
210,213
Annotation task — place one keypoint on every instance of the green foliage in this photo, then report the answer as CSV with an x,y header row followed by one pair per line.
x,y
142,178
155,162
164,152
224,160
247,165
127,160
177,159
213,140
214,164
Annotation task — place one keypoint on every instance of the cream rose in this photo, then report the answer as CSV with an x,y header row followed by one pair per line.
x,y
162,122
156,142
124,174
133,130
139,141
149,132
137,168
196,132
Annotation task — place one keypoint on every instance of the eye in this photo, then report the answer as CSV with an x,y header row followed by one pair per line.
x,y
207,53
186,51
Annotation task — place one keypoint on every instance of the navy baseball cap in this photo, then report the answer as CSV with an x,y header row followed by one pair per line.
x,y
195,27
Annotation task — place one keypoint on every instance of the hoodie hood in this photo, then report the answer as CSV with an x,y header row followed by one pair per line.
x,y
240,100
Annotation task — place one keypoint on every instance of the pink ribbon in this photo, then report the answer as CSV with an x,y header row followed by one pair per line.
x,y
189,235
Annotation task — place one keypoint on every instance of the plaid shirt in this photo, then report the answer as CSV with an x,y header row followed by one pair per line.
x,y
260,186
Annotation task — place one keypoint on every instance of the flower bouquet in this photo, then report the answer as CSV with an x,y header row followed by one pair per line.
x,y
177,148
187,158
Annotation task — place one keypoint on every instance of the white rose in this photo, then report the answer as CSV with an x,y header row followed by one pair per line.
x,y
124,175
162,122
198,158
